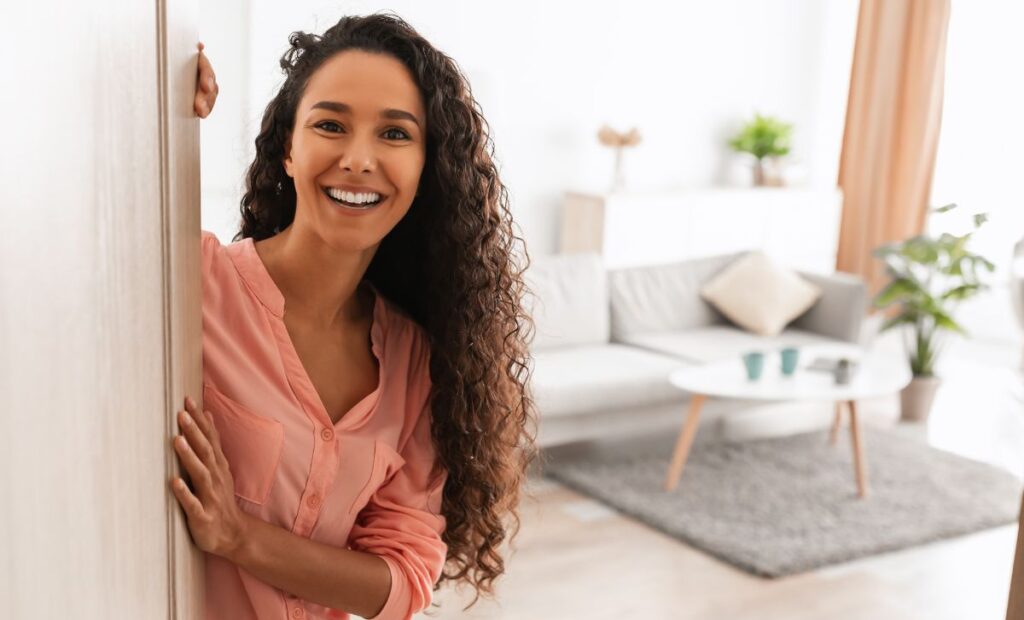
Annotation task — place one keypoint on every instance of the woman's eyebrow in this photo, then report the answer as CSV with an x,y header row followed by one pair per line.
x,y
344,108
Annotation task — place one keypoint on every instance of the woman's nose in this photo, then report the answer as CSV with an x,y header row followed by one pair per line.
x,y
358,155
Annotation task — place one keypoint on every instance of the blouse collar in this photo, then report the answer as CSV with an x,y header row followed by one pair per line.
x,y
249,265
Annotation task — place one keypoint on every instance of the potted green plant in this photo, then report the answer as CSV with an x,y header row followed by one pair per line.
x,y
763,137
929,277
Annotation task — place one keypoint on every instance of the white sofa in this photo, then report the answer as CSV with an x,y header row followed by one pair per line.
x,y
606,341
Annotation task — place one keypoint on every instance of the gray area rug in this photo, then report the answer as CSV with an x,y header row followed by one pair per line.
x,y
776,507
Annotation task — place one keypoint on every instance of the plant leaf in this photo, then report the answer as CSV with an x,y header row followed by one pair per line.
x,y
944,321
962,292
896,289
896,320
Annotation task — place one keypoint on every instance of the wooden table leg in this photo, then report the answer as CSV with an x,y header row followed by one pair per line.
x,y
858,453
683,443
836,423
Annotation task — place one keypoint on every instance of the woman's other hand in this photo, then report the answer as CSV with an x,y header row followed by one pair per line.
x,y
206,86
215,521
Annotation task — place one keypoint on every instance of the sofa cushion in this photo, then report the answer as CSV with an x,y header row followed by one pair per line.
x,y
760,295
710,344
657,298
593,378
568,300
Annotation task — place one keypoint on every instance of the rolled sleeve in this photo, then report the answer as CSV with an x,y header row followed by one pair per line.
x,y
403,524
209,244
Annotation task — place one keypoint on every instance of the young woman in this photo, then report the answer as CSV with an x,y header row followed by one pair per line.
x,y
367,422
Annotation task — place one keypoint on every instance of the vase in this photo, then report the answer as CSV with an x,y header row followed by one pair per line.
x,y
758,173
774,171
618,175
916,399
769,172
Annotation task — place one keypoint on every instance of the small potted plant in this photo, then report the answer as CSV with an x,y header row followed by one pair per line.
x,y
929,277
763,137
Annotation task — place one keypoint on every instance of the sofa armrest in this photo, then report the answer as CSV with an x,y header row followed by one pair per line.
x,y
839,311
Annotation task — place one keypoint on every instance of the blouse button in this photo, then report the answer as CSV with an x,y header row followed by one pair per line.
x,y
314,500
297,612
327,434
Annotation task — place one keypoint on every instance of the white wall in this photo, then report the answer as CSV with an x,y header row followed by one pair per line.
x,y
226,136
548,74
979,161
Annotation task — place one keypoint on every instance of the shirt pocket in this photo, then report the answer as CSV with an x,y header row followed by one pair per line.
x,y
386,461
251,443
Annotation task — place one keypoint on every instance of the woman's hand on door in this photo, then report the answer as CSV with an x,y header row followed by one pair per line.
x,y
216,522
206,86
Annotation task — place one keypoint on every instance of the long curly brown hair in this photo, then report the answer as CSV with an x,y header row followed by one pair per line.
x,y
451,265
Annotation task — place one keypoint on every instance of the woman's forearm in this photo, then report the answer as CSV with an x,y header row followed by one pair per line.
x,y
351,581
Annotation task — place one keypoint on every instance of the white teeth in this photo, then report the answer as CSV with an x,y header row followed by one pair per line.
x,y
352,198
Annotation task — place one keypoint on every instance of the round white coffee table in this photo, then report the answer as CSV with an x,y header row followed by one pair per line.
x,y
873,377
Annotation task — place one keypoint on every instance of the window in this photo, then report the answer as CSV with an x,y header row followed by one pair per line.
x,y
980,163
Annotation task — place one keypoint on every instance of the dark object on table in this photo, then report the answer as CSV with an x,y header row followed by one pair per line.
x,y
843,372
842,369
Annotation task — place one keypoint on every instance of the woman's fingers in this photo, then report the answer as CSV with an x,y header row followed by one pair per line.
x,y
195,467
207,79
200,104
207,88
197,439
191,504
200,107
204,421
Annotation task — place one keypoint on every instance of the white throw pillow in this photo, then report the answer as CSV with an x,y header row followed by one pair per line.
x,y
759,295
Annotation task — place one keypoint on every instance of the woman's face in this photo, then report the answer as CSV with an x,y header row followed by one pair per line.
x,y
357,149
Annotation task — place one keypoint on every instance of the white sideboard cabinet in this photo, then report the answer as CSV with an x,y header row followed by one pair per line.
x,y
797,226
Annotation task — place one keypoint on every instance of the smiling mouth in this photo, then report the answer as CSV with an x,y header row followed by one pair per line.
x,y
358,202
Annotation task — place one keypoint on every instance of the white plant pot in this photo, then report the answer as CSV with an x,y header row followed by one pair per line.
x,y
916,399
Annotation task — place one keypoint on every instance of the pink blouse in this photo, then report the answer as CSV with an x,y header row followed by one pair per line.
x,y
361,483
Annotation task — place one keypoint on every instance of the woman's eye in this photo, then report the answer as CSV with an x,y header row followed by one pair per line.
x,y
330,126
391,134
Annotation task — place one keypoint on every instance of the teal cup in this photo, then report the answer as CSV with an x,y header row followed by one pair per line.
x,y
790,355
754,362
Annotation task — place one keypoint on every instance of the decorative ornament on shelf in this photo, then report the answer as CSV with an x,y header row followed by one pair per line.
x,y
766,138
609,137
928,277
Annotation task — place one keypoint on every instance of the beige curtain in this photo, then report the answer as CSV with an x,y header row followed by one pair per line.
x,y
892,128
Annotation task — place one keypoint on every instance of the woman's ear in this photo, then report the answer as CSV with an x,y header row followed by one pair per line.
x,y
287,161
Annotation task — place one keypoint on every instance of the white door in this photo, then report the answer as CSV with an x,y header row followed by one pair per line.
x,y
100,325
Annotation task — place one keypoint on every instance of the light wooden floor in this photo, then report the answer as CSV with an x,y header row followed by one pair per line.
x,y
577,559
